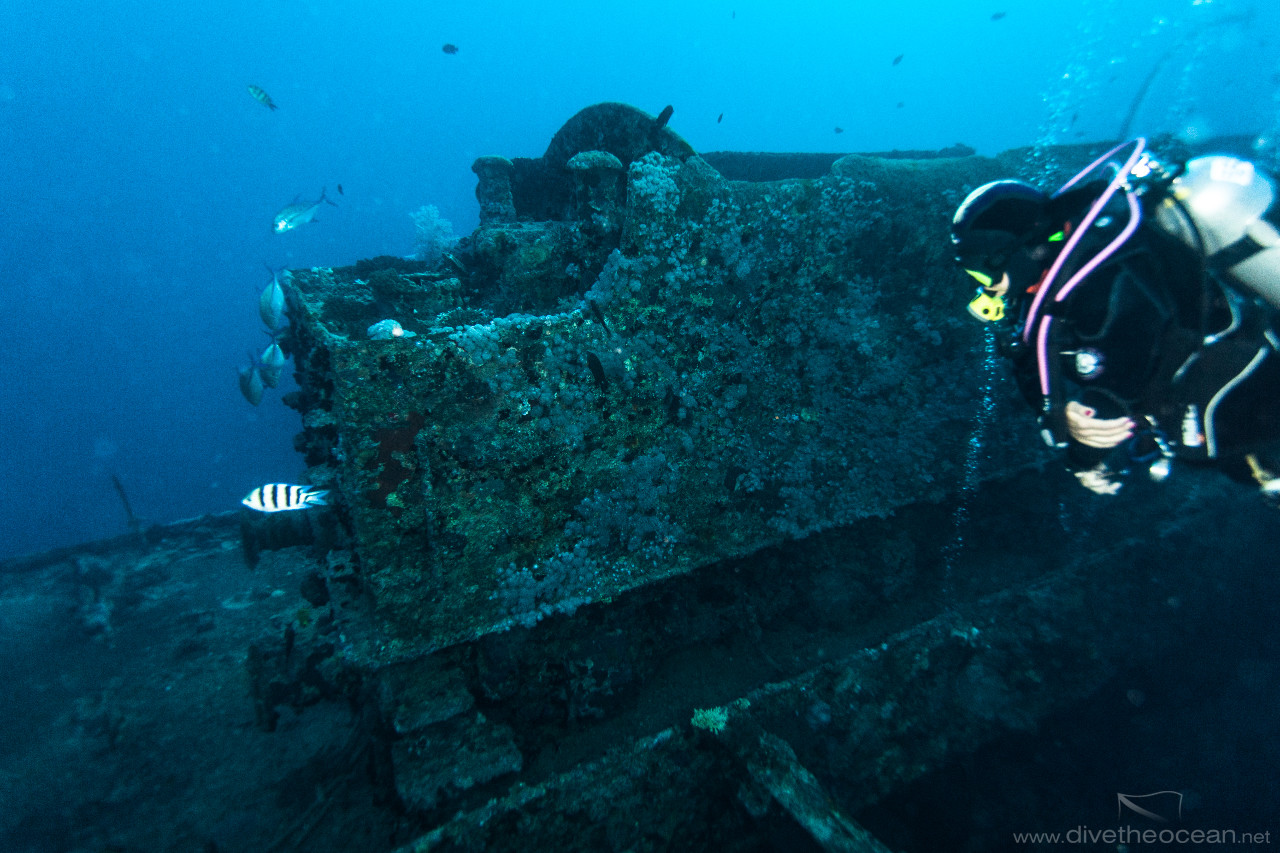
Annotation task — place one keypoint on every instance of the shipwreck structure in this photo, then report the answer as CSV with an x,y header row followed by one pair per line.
x,y
682,507
635,368
648,416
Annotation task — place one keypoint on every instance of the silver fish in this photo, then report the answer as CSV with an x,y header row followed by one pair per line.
x,y
298,213
251,384
282,497
271,365
271,303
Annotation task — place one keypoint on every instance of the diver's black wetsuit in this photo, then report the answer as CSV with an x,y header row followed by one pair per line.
x,y
1148,335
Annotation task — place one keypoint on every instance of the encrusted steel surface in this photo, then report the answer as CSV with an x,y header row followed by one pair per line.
x,y
667,370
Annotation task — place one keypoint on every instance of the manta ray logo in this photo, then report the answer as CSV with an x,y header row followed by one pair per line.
x,y
1162,806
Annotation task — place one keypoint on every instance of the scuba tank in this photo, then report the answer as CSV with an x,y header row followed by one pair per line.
x,y
1215,206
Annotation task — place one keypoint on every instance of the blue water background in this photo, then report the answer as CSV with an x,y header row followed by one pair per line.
x,y
139,178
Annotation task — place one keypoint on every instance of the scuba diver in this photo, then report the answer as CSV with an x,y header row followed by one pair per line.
x,y
1138,307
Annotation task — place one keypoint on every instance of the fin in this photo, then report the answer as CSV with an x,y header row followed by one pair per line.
x,y
317,498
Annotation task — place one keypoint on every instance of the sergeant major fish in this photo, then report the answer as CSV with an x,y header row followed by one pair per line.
x,y
260,95
282,497
298,213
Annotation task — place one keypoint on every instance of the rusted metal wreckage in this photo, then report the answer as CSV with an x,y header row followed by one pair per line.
x,y
670,436
690,511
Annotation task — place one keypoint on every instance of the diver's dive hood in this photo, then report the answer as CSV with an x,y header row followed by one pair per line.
x,y
994,221
991,224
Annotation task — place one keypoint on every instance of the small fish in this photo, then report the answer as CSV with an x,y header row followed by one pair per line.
x,y
898,58
995,16
839,130
260,95
282,497
901,104
454,262
298,213
251,384
450,49
599,315
597,370
720,118
271,303
271,364
340,192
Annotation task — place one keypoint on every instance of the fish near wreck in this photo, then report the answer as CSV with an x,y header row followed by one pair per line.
x,y
251,384
283,497
298,213
271,364
271,303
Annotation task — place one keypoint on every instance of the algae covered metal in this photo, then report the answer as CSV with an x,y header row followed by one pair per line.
x,y
632,368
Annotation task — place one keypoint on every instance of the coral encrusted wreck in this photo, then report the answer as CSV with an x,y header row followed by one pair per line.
x,y
635,367
668,513
674,524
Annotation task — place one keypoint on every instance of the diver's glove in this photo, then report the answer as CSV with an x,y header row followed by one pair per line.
x,y
1086,427
1268,482
1099,479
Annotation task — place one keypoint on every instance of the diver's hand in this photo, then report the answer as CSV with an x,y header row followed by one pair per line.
x,y
1093,431
1098,480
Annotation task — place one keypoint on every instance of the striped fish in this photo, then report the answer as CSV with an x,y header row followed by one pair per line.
x,y
260,95
282,497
